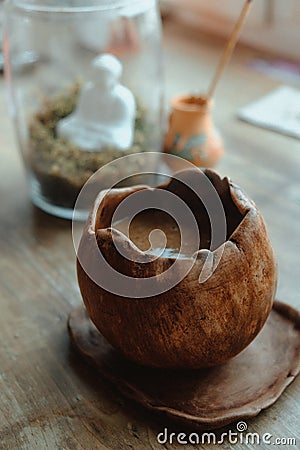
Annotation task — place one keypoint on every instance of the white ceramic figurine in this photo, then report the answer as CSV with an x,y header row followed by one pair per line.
x,y
105,113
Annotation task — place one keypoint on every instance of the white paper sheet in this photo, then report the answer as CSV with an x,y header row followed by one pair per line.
x,y
278,111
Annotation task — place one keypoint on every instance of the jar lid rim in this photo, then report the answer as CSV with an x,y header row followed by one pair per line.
x,y
49,6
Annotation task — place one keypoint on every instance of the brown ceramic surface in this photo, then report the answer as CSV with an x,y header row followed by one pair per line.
x,y
207,398
192,325
139,229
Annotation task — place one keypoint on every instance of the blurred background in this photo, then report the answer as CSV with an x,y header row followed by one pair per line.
x,y
272,25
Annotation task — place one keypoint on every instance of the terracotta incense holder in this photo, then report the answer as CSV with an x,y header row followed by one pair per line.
x,y
191,134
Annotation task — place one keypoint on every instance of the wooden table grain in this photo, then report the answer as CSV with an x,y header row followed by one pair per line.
x,y
49,397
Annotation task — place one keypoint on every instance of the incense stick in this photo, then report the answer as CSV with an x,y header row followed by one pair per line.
x,y
229,48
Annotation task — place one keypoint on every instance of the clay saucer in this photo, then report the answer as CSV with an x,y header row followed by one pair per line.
x,y
207,398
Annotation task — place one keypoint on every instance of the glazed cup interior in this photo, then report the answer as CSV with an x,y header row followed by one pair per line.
x,y
191,196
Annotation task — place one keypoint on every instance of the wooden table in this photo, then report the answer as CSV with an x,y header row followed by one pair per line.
x,y
49,397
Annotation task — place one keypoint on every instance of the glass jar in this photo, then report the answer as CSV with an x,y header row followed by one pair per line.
x,y
68,123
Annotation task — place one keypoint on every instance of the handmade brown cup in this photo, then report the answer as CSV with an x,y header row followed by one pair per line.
x,y
194,324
